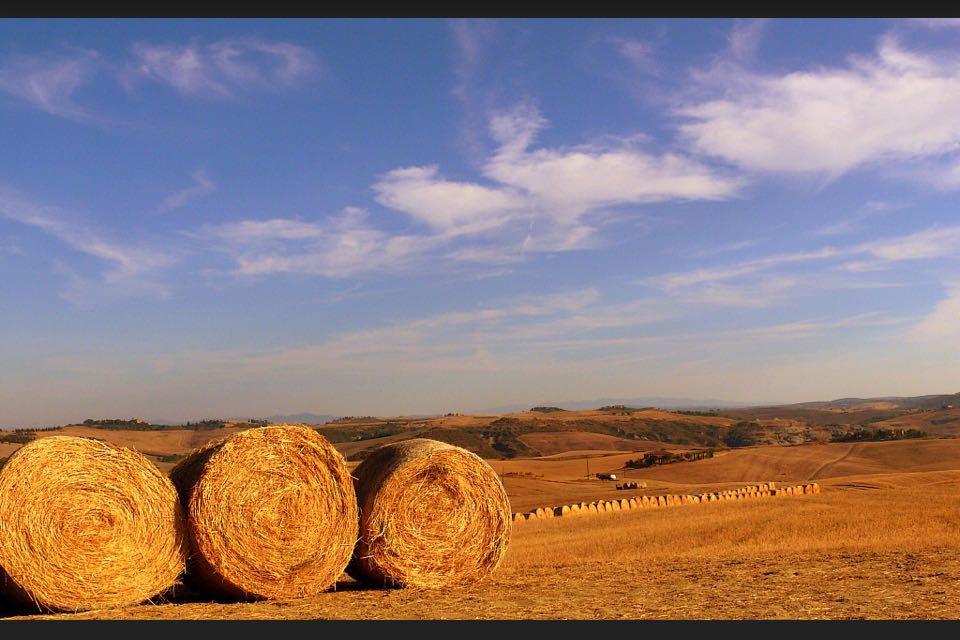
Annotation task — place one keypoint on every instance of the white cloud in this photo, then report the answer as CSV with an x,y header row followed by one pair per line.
x,y
49,82
443,204
221,68
567,183
202,185
895,105
547,191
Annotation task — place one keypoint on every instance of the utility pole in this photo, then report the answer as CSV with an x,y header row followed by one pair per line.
x,y
587,458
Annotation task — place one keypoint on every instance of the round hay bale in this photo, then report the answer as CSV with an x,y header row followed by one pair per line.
x,y
592,508
575,510
613,505
87,525
271,513
625,505
519,517
431,515
549,512
634,504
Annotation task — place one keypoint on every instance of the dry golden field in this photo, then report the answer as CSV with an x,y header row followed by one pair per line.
x,y
880,541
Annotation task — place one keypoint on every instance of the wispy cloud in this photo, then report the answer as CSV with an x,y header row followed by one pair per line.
x,y
548,192
202,185
791,123
129,268
708,283
745,37
638,52
222,68
336,247
941,327
530,201
49,82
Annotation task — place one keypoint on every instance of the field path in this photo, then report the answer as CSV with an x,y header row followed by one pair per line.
x,y
829,465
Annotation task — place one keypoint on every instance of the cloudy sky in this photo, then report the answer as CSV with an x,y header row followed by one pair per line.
x,y
203,218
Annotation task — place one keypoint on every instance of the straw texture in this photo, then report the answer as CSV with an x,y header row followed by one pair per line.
x,y
431,515
87,525
271,513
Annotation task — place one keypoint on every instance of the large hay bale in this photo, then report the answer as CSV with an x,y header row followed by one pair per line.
x,y
431,515
271,513
87,525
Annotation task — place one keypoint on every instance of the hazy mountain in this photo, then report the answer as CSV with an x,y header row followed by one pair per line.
x,y
914,402
304,418
643,401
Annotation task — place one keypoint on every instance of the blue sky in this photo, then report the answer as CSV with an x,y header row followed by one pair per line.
x,y
206,218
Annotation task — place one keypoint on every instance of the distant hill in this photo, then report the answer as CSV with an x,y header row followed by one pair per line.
x,y
301,418
636,402
914,402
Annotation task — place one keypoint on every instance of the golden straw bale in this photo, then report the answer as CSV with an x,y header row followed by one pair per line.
x,y
87,525
271,513
519,517
624,505
634,504
431,515
614,505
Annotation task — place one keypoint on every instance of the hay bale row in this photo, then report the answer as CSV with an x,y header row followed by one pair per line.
x,y
750,492
266,513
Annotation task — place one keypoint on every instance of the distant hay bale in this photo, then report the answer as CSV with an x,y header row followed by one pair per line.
x,y
593,508
549,512
519,517
816,487
87,525
271,513
432,515
634,504
613,505
625,505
